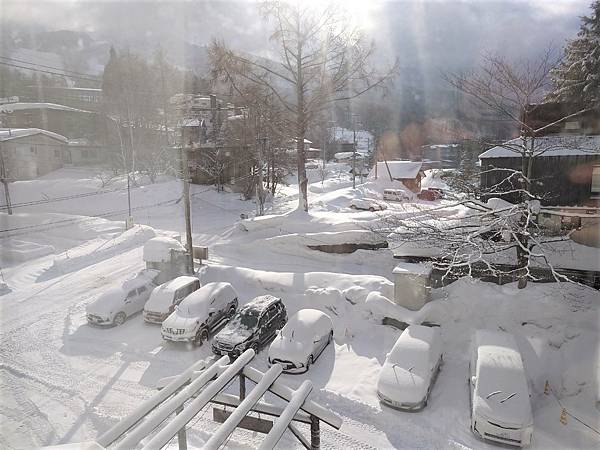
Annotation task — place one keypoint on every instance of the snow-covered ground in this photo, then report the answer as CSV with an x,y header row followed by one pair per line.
x,y
64,381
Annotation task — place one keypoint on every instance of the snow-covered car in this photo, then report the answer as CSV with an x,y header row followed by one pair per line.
x,y
302,340
115,305
165,297
312,164
201,313
367,204
499,391
411,368
430,194
255,324
395,195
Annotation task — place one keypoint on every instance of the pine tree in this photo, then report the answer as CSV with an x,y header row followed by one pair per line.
x,y
577,77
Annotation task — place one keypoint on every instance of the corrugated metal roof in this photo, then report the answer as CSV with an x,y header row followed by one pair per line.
x,y
557,145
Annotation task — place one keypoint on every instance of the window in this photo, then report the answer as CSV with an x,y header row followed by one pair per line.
x,y
596,182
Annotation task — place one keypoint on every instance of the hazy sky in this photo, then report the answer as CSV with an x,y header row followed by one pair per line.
x,y
430,32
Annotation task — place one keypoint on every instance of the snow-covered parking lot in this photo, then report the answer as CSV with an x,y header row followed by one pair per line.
x,y
63,380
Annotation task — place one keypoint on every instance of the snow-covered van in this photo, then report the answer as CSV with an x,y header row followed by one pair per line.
x,y
500,404
411,368
165,297
200,313
116,304
395,195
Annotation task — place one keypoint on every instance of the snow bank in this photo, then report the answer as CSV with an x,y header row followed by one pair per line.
x,y
19,251
98,250
327,238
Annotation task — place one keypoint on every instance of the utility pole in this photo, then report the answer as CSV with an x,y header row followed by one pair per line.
x,y
185,175
4,174
5,181
354,157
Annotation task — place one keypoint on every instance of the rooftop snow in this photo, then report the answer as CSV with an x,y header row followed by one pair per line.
x,y
558,145
158,249
7,134
400,170
10,107
416,269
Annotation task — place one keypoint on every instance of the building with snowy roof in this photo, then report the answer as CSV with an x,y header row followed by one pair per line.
x,y
409,173
565,169
30,152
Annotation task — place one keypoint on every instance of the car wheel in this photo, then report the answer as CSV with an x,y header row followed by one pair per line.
x,y
201,336
120,318
254,347
371,209
309,362
352,206
231,312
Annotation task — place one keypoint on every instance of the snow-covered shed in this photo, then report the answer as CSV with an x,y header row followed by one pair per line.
x,y
31,152
411,285
407,172
167,255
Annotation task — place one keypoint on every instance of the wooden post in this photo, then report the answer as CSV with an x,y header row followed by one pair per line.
x,y
242,386
181,436
315,434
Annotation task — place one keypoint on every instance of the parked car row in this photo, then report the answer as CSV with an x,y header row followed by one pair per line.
x,y
394,195
189,312
498,388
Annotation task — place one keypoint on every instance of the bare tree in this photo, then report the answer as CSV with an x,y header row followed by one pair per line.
x,y
496,230
322,59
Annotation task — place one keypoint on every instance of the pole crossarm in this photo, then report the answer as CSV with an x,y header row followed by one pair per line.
x,y
180,398
281,424
170,406
221,435
147,406
163,437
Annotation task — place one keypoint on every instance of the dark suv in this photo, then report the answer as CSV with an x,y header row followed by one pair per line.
x,y
253,326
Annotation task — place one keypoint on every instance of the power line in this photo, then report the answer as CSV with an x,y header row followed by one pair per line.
x,y
48,72
60,199
49,67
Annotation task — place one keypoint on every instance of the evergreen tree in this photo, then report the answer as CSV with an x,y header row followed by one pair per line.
x,y
577,77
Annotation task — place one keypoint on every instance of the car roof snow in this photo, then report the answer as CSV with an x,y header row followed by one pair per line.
x,y
260,303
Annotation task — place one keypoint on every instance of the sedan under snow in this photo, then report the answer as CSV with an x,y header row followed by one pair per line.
x,y
411,368
302,340
367,204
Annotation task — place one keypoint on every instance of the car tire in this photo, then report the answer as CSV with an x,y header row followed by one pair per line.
x,y
201,336
371,209
254,347
353,207
309,362
120,318
330,339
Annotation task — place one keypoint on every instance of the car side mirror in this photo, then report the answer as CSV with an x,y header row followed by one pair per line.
x,y
473,379
316,338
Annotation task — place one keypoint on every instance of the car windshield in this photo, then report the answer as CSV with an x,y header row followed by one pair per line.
x,y
245,319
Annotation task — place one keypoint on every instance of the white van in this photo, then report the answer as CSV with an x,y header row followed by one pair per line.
x,y
201,313
395,195
165,297
499,391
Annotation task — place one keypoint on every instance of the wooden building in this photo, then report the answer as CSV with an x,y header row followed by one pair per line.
x,y
562,170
